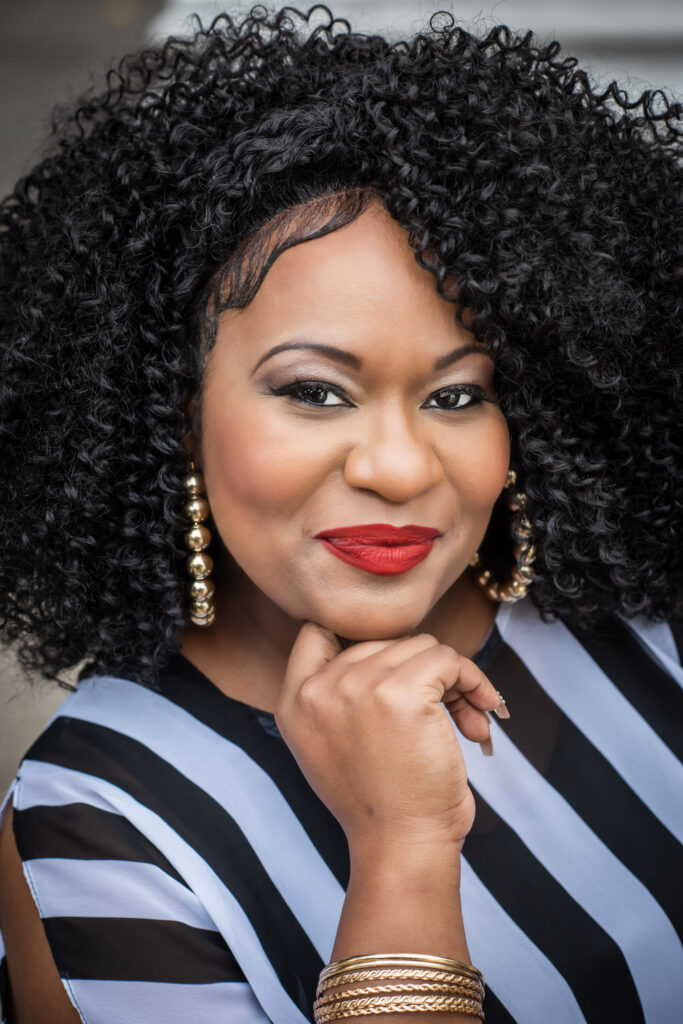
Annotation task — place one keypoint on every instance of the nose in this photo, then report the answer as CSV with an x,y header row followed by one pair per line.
x,y
393,459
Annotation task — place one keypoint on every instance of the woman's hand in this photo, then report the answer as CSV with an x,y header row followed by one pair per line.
x,y
370,729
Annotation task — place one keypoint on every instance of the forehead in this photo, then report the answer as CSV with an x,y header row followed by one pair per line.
x,y
373,243
363,271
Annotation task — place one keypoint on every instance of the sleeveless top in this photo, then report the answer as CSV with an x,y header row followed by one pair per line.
x,y
185,871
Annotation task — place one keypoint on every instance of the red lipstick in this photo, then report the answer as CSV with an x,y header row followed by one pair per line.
x,y
380,548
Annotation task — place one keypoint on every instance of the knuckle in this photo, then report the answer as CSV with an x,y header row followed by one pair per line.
x,y
384,690
307,695
346,687
450,654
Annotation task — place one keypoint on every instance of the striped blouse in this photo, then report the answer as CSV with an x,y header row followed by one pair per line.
x,y
185,871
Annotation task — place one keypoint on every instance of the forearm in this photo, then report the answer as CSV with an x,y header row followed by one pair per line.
x,y
404,898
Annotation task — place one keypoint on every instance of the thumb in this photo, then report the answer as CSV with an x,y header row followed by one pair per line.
x,y
313,648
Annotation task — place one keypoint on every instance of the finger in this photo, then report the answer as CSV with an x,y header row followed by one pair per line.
x,y
363,649
448,675
385,653
472,684
314,647
470,721
468,700
457,682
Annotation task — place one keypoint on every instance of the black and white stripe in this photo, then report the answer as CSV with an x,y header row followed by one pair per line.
x,y
184,868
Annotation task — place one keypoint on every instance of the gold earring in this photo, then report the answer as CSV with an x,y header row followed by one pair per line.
x,y
515,588
199,565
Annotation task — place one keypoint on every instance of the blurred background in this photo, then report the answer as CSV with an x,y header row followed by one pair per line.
x,y
50,50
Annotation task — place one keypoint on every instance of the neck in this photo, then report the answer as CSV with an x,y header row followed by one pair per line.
x,y
463,617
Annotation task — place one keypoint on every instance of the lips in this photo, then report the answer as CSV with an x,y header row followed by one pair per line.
x,y
380,548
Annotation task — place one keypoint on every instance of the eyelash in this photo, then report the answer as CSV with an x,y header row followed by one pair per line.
x,y
293,390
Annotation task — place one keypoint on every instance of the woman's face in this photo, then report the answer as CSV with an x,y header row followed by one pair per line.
x,y
337,399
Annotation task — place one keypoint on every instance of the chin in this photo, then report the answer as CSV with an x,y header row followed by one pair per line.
x,y
371,624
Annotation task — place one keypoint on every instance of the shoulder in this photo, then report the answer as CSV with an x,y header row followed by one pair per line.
x,y
92,802
621,679
106,864
610,641
111,744
95,792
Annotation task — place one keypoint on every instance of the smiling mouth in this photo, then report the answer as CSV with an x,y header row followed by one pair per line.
x,y
380,548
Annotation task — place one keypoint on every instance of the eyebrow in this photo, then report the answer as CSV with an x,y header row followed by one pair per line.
x,y
458,353
340,355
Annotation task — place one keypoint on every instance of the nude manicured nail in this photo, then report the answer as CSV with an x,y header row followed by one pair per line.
x,y
487,747
502,709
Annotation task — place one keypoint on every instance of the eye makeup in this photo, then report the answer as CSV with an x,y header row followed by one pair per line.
x,y
308,383
317,393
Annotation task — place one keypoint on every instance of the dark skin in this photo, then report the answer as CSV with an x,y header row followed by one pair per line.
x,y
364,663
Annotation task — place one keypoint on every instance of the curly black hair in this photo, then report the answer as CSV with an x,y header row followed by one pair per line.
x,y
556,208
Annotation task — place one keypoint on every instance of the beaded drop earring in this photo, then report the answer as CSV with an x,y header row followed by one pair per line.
x,y
199,565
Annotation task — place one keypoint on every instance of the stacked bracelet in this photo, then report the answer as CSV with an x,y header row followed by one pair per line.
x,y
400,982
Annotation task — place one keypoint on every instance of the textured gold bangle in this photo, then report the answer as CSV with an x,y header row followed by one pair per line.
x,y
449,1006
402,974
399,987
412,986
398,1004
413,960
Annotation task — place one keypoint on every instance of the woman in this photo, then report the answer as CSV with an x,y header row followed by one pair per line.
x,y
340,393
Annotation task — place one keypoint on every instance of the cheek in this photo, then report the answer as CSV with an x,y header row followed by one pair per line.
x,y
480,461
253,464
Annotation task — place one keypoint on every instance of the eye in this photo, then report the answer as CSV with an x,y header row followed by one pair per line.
x,y
313,392
451,399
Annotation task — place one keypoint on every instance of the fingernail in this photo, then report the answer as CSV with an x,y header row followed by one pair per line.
x,y
487,747
502,709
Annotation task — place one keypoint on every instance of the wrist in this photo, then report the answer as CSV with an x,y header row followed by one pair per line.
x,y
403,898
408,860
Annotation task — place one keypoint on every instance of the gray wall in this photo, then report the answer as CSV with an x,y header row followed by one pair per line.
x,y
49,48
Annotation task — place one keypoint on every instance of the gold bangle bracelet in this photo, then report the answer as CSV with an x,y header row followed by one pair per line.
x,y
428,977
446,1005
401,1004
400,960
397,988
381,998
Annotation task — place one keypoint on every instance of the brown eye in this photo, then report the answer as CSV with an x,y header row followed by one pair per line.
x,y
454,398
313,393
